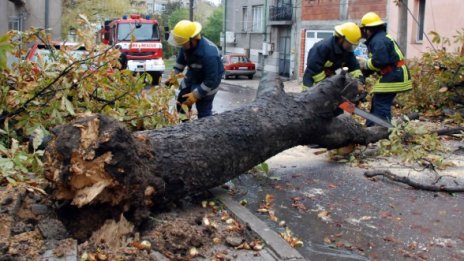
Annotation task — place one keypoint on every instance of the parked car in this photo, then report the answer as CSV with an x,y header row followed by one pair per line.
x,y
42,53
238,64
10,60
45,51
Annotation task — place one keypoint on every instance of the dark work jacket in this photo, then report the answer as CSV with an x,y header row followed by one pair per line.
x,y
123,60
325,57
384,52
205,68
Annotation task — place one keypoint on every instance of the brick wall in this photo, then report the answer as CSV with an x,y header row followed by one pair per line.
x,y
327,10
330,9
357,8
320,9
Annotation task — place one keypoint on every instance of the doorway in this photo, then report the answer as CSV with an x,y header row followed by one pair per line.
x,y
284,55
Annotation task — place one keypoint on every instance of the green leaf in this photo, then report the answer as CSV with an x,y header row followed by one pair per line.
x,y
14,145
5,47
265,167
69,107
435,37
11,181
6,164
37,139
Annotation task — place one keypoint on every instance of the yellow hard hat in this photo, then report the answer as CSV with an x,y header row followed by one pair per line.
x,y
183,31
371,19
350,31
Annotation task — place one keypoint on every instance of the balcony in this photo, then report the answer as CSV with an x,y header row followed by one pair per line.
x,y
18,2
280,15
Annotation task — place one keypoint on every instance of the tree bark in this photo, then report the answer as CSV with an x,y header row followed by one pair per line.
x,y
96,160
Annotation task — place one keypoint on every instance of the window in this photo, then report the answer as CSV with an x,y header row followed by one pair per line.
x,y
258,25
282,3
239,59
143,33
421,19
319,34
245,19
150,8
15,23
159,7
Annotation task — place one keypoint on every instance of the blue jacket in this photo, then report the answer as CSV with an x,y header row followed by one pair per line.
x,y
324,58
205,68
386,58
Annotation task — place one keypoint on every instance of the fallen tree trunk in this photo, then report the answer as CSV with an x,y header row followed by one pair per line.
x,y
96,160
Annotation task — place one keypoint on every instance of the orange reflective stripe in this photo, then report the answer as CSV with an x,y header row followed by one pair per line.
x,y
400,63
388,69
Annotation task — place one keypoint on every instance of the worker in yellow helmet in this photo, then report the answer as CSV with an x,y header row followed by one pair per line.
x,y
333,53
386,59
205,67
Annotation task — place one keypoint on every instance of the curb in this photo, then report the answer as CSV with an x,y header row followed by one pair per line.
x,y
249,84
289,86
277,247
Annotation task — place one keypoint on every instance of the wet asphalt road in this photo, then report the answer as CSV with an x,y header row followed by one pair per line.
x,y
341,215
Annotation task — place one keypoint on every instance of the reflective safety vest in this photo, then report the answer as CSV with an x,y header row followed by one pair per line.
x,y
386,58
324,58
205,67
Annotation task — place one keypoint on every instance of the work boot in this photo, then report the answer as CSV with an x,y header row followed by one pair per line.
x,y
343,151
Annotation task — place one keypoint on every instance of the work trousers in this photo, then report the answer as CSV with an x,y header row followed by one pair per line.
x,y
381,106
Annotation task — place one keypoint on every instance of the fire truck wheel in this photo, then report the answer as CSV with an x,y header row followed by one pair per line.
x,y
156,77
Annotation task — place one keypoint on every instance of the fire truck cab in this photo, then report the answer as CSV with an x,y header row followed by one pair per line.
x,y
139,38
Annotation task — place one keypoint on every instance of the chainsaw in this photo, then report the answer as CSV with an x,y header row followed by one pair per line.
x,y
351,108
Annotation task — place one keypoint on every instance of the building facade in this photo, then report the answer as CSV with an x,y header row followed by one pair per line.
x,y
263,30
319,17
444,17
277,34
158,6
22,14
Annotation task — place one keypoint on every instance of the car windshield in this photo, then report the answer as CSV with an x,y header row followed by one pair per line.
x,y
146,32
47,56
10,60
239,59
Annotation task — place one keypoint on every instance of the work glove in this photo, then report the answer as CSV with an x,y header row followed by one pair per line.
x,y
361,97
191,98
362,63
172,80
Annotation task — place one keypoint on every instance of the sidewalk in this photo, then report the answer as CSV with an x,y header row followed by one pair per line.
x,y
289,85
276,247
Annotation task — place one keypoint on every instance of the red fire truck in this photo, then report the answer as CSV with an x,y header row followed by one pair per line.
x,y
139,38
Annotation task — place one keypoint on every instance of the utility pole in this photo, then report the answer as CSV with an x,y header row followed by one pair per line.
x,y
191,10
225,28
265,35
46,15
403,26
343,9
